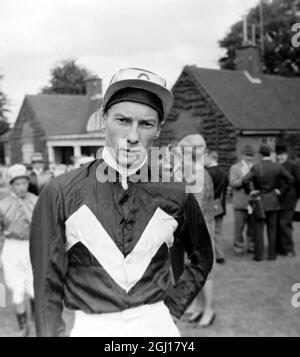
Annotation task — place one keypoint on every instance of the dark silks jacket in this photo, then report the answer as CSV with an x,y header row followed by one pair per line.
x,y
98,248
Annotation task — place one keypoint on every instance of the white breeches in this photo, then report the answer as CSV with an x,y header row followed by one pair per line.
x,y
144,321
17,269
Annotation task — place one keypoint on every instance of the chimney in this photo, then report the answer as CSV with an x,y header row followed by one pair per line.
x,y
248,59
93,85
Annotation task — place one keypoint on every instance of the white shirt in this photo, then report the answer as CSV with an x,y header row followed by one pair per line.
x,y
245,167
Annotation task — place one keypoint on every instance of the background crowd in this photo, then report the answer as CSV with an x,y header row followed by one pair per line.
x,y
264,190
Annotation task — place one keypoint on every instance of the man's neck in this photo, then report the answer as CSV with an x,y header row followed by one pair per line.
x,y
123,171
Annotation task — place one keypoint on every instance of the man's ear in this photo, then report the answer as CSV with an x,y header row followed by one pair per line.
x,y
158,132
103,118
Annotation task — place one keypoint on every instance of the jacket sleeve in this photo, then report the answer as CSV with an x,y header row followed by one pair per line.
x,y
286,180
248,181
49,262
1,232
296,173
1,223
225,191
196,241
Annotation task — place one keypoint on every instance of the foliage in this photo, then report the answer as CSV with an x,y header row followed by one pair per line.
x,y
279,56
67,78
4,126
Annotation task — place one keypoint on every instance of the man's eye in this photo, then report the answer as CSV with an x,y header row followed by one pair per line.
x,y
147,124
122,120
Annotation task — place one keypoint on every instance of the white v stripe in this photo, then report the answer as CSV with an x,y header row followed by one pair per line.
x,y
82,226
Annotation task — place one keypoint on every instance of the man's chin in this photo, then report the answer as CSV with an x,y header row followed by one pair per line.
x,y
22,196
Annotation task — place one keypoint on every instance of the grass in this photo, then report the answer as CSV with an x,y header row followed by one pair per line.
x,y
251,298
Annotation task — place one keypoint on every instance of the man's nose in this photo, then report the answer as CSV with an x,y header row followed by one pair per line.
x,y
133,135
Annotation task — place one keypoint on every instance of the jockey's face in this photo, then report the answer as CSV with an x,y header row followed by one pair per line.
x,y
20,186
130,130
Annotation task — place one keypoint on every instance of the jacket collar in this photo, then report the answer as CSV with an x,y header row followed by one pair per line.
x,y
112,172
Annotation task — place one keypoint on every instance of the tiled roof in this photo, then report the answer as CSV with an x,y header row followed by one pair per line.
x,y
274,104
62,114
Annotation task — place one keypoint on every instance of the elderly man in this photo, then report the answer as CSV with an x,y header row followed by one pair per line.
x,y
15,218
101,235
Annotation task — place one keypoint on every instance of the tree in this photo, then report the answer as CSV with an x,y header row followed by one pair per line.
x,y
67,78
4,126
279,55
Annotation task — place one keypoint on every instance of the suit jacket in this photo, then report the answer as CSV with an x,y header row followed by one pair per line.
x,y
220,182
240,198
289,199
266,177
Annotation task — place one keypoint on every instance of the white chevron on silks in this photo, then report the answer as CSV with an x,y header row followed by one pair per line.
x,y
83,226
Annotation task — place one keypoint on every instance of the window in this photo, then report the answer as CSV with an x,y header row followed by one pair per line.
x,y
94,122
27,151
27,143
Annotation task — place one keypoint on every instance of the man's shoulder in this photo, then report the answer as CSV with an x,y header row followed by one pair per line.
x,y
269,165
4,191
32,197
217,170
212,170
46,173
236,166
72,179
7,200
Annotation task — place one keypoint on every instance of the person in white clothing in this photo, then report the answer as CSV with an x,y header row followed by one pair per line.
x,y
15,218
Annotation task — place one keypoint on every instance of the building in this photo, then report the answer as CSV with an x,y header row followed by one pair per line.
x,y
61,127
234,108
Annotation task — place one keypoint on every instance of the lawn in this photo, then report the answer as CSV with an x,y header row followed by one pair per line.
x,y
251,298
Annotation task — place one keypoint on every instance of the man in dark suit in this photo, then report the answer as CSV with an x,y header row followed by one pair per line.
x,y
38,176
285,243
272,181
220,181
